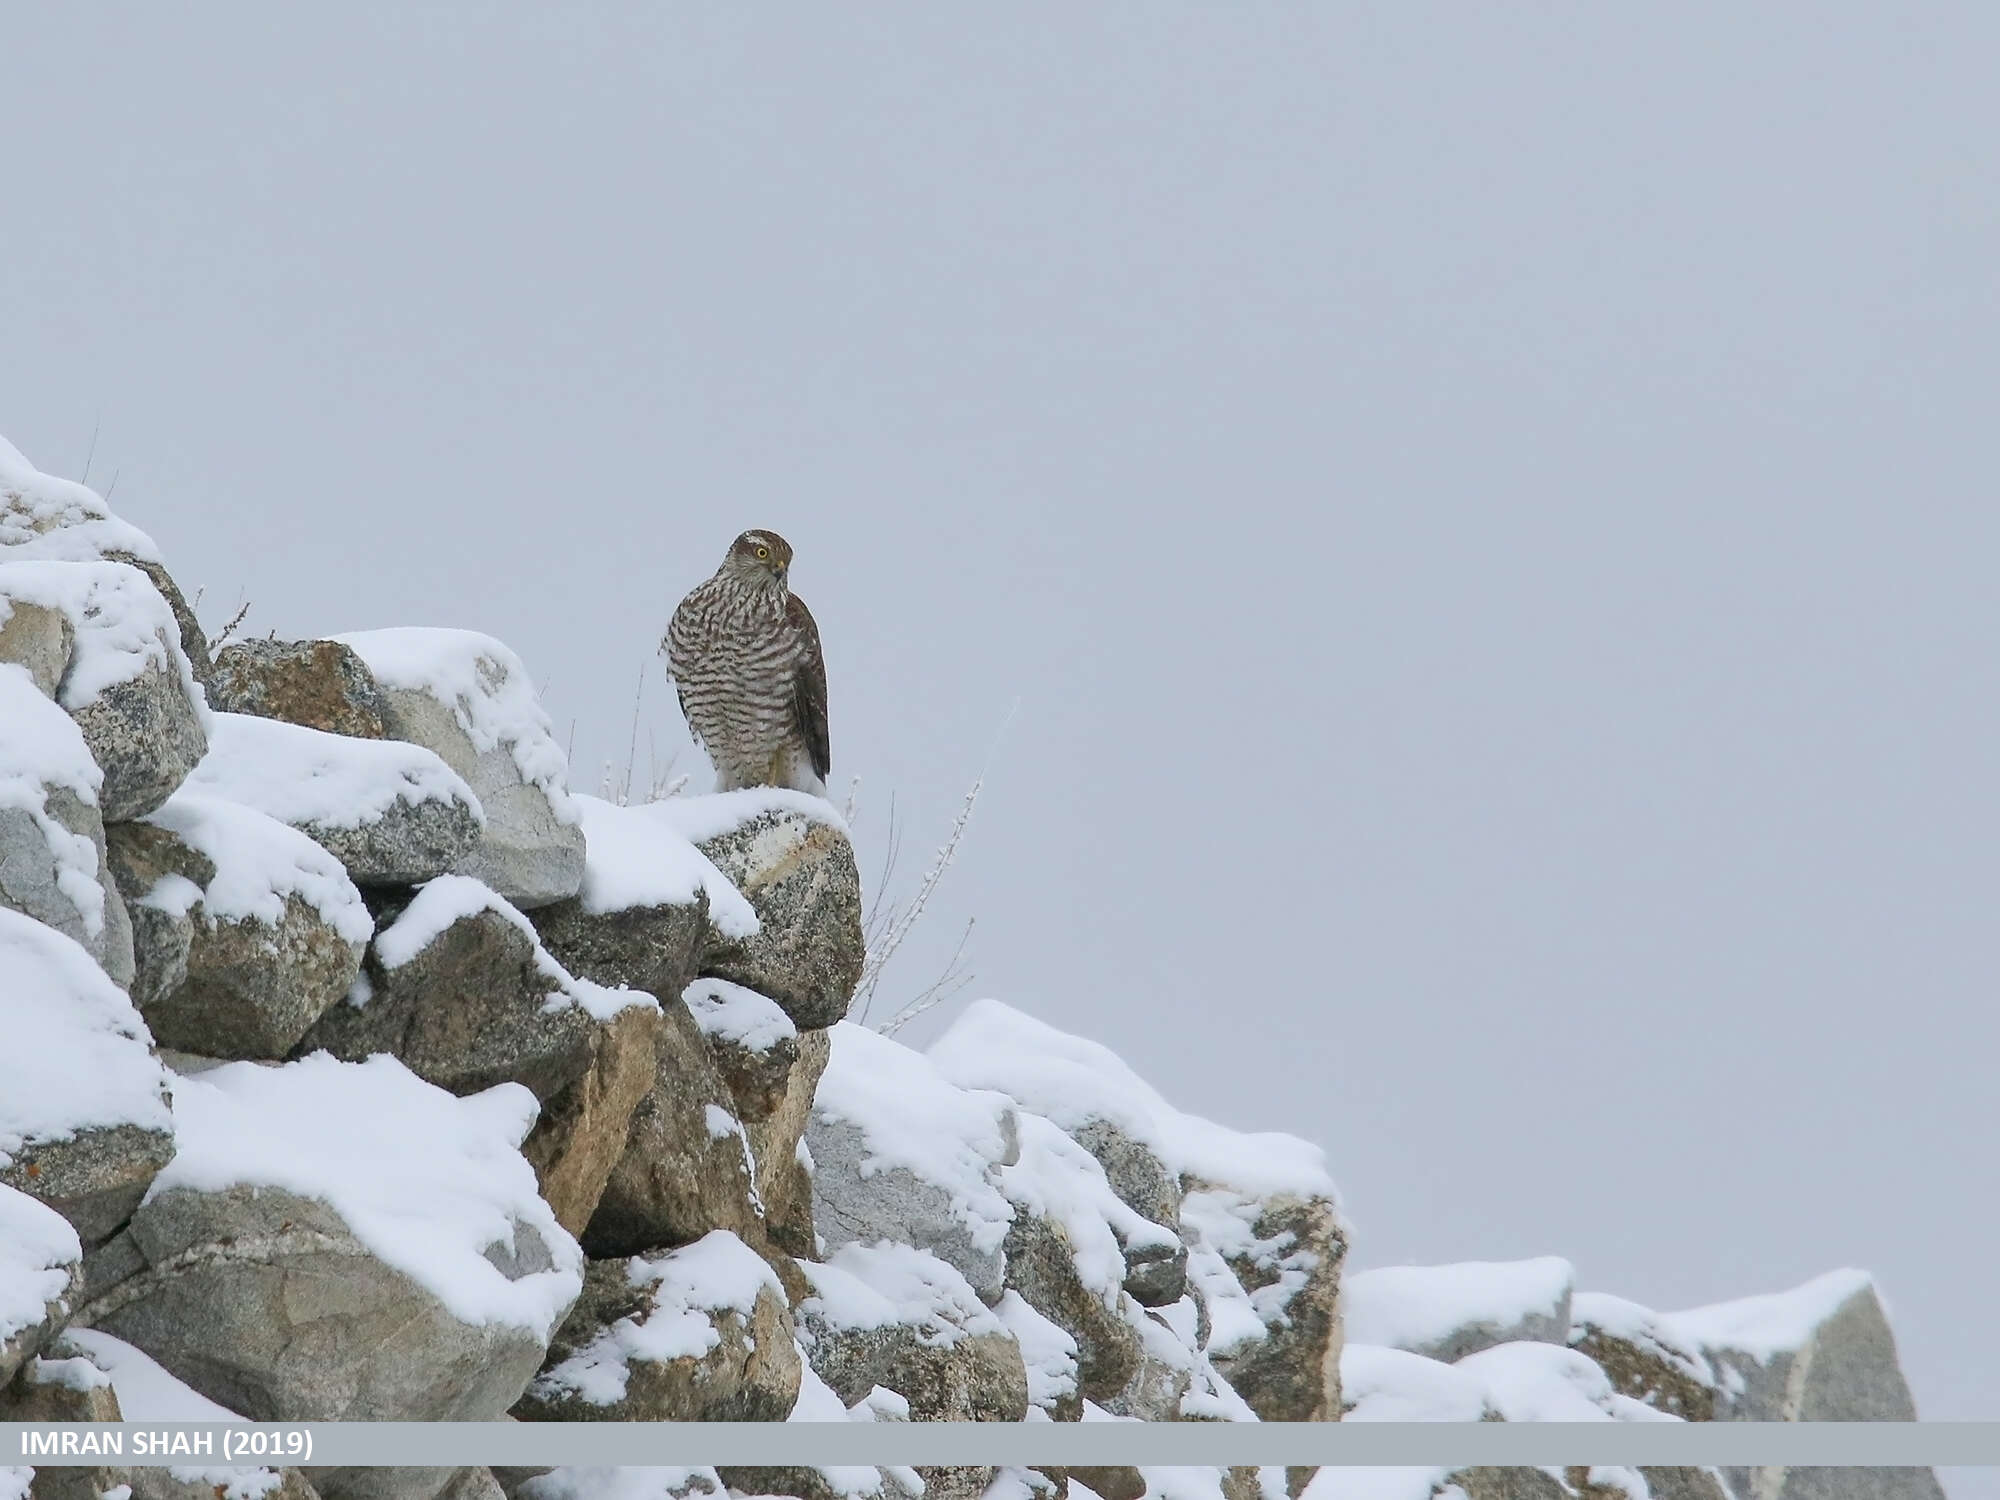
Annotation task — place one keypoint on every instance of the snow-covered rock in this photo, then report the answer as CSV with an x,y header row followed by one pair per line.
x,y
469,699
392,813
437,1274
582,1131
39,640
1261,1216
458,987
642,914
626,1483
320,684
699,1334
752,1040
39,1257
783,1161
127,682
1642,1357
1448,1312
789,855
84,1124
686,1166
1539,1382
1144,1185
894,1316
901,1153
1049,1354
1821,1352
46,518
1066,1252
274,930
52,856
1393,1385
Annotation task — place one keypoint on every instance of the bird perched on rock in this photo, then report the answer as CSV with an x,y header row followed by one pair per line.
x,y
743,651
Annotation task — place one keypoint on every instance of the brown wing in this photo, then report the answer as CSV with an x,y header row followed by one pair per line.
x,y
809,687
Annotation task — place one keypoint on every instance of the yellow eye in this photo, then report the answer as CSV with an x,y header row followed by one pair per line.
x,y
763,554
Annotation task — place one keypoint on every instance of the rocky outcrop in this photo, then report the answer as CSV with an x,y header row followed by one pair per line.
x,y
273,934
781,1157
127,682
896,1317
468,699
391,813
1642,1356
1822,1352
415,1311
320,684
1448,1312
52,855
39,1262
796,868
582,1131
84,1125
901,1154
686,1167
701,1334
480,1023
456,985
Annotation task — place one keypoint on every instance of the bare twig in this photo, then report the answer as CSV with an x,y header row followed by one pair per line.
x,y
92,452
901,920
230,629
949,983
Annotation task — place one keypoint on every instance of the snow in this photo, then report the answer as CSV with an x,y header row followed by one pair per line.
x,y
42,516
1641,1327
884,1285
699,819
625,1483
123,625
258,863
911,1117
880,1405
730,1013
635,856
1357,1482
428,1182
488,691
1074,1081
818,1403
1767,1326
1406,1307
305,776
77,1055
718,1274
1390,1385
38,1253
1222,1222
14,1482
41,750
75,1374
1530,1382
1055,1178
145,1391
445,899
1047,1350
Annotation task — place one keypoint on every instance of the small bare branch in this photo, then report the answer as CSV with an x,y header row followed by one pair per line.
x,y
949,983
228,630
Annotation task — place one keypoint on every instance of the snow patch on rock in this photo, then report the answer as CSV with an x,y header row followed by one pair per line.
x,y
430,1183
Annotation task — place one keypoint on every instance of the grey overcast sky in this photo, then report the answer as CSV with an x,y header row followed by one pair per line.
x,y
1487,513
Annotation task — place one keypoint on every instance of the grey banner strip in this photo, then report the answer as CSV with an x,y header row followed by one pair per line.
x,y
1887,1444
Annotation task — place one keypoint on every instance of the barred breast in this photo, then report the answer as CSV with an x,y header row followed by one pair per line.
x,y
734,658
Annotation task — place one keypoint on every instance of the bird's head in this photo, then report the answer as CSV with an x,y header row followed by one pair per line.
x,y
759,558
